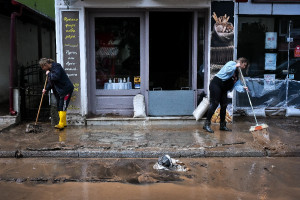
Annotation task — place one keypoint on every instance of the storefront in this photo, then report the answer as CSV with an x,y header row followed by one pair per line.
x,y
169,50
269,36
114,50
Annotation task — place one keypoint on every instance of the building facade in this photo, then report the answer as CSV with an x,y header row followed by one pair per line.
x,y
166,50
114,50
26,35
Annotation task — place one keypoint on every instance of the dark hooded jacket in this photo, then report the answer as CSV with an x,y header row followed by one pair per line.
x,y
59,81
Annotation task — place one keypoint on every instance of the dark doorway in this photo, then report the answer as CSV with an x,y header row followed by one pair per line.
x,y
170,50
32,80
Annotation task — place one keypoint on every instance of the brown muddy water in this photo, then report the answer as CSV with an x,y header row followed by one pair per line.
x,y
208,178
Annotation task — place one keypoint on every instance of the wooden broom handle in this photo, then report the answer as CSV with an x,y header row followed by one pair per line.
x,y
37,117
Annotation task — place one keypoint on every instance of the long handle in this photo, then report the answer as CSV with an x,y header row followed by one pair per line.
x,y
37,117
244,82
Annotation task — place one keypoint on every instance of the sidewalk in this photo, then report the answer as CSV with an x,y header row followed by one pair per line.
x,y
151,141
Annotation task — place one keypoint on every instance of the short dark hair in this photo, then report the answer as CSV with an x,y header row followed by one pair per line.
x,y
44,61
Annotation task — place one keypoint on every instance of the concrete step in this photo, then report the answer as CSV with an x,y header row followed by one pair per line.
x,y
184,120
6,121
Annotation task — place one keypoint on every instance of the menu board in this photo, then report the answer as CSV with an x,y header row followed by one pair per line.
x,y
71,54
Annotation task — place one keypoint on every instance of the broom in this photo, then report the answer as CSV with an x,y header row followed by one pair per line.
x,y
35,128
259,132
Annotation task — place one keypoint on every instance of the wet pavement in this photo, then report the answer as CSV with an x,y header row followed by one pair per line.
x,y
152,141
116,162
238,178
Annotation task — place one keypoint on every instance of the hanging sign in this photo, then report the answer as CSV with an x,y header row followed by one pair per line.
x,y
270,61
271,40
71,54
269,81
297,51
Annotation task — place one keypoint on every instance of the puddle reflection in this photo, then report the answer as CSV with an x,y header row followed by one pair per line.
x,y
62,135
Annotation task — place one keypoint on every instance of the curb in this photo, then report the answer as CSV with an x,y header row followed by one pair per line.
x,y
142,154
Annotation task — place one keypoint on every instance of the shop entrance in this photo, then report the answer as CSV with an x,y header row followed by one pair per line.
x,y
170,66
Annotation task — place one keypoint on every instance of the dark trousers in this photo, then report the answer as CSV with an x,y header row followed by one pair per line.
x,y
218,95
63,101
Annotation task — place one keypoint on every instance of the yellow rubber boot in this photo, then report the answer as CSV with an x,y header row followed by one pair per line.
x,y
60,125
64,118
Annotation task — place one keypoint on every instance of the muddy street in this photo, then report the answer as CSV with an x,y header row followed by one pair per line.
x,y
116,162
208,178
150,141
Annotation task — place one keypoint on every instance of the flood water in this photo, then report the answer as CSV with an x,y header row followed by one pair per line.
x,y
208,178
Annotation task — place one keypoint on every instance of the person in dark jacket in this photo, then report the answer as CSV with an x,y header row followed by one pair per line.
x,y
61,86
225,80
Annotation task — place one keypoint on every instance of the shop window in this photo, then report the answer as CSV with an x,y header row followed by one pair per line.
x,y
117,46
253,36
264,40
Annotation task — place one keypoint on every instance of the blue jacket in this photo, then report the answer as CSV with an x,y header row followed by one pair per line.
x,y
59,81
227,72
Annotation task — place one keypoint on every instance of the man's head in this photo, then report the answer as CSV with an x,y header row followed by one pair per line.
x,y
46,63
243,62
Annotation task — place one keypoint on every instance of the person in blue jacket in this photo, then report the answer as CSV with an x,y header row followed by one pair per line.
x,y
225,80
61,86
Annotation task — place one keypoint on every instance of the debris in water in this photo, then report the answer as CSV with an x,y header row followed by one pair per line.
x,y
167,163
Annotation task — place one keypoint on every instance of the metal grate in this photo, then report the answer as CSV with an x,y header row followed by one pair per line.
x,y
32,80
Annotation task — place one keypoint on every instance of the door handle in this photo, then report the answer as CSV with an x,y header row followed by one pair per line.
x,y
157,88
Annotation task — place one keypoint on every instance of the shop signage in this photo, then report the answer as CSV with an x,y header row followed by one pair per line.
x,y
271,40
297,51
270,61
71,53
269,81
222,40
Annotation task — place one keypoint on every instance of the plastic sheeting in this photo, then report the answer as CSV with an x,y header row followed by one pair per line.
x,y
280,94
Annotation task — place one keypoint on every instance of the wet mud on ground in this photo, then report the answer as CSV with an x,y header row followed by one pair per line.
x,y
208,178
284,135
